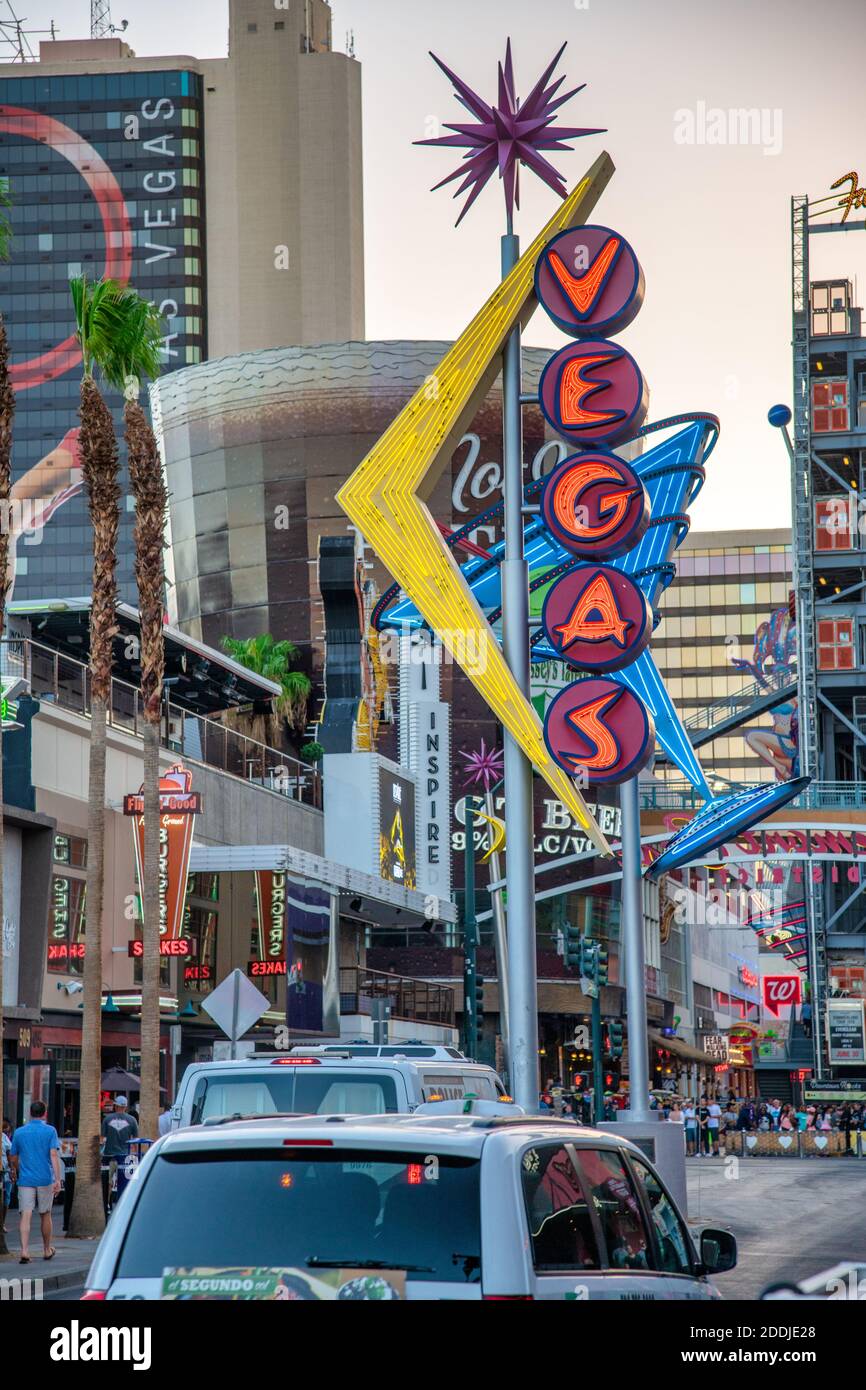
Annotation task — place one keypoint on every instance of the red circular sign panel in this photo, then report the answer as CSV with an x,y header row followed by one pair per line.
x,y
599,732
33,125
597,618
589,281
595,505
593,392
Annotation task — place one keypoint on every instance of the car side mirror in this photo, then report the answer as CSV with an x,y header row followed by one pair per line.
x,y
718,1250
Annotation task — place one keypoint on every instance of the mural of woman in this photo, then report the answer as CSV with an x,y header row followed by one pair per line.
x,y
773,663
38,494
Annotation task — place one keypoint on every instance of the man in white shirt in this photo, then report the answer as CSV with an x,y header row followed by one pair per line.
x,y
714,1119
164,1123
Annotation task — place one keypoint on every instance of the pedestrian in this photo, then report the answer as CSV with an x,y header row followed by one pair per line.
x,y
7,1170
703,1130
806,1018
774,1110
676,1113
714,1120
787,1119
118,1130
690,1120
164,1124
35,1160
747,1117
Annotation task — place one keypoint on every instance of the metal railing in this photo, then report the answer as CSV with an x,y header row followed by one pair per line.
x,y
418,1001
818,796
65,682
731,705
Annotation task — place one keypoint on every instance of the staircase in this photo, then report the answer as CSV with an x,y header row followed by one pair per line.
x,y
800,1052
775,1085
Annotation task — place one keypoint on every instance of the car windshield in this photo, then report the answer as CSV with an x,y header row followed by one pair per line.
x,y
279,1090
289,1209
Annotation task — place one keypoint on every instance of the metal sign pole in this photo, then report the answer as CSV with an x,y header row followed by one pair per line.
x,y
633,955
522,975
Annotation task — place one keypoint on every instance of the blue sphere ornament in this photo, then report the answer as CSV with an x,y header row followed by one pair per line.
x,y
779,415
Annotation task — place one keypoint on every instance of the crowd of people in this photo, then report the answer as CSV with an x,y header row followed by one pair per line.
x,y
706,1121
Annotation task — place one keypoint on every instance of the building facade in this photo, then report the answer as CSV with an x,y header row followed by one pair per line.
x,y
725,626
228,191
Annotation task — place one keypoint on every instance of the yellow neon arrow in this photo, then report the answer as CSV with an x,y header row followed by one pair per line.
x,y
383,497
497,834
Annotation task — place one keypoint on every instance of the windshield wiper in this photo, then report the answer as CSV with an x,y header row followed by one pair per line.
x,y
319,1262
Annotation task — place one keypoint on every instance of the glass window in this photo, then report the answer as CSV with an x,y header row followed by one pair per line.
x,y
617,1208
70,849
309,1212
670,1242
281,1090
560,1225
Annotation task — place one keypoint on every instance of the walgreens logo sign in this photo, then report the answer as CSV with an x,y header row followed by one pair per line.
x,y
780,992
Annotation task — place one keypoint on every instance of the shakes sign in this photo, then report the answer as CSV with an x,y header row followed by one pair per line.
x,y
179,805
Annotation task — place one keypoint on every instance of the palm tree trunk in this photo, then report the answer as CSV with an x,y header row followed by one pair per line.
x,y
148,1117
99,464
151,502
5,1253
7,411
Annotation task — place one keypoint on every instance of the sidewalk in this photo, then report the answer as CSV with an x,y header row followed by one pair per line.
x,y
69,1266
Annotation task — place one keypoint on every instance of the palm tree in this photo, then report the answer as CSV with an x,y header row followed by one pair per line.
x,y
7,411
273,660
133,354
96,323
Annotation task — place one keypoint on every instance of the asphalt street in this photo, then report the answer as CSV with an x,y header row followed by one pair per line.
x,y
791,1217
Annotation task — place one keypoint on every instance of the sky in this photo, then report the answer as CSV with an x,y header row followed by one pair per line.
x,y
709,221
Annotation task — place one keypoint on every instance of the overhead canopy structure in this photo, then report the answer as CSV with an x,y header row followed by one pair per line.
x,y
199,678
394,906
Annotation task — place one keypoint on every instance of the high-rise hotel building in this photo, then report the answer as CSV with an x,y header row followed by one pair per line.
x,y
229,191
719,636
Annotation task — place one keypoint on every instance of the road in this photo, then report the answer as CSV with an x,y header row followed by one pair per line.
x,y
791,1217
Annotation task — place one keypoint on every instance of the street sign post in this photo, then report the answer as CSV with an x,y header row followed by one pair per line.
x,y
235,1005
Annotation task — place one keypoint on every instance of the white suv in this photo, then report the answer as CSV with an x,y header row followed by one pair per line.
x,y
320,1082
451,1207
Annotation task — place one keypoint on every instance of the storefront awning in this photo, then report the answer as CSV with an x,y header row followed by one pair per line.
x,y
678,1048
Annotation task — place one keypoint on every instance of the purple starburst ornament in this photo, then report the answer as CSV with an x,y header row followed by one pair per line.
x,y
511,133
485,767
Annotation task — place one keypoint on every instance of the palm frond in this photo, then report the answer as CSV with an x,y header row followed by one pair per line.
x,y
120,332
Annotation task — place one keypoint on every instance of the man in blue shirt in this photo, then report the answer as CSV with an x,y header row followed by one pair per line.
x,y
35,1159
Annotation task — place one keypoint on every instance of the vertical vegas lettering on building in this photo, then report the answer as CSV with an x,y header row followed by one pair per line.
x,y
425,748
595,617
157,216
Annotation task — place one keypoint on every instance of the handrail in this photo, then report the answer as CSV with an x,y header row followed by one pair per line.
x,y
410,999
818,796
64,681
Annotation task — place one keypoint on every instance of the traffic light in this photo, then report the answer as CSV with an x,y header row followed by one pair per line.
x,y
601,960
574,948
479,1006
615,1041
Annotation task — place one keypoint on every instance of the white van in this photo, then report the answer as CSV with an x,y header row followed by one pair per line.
x,y
316,1082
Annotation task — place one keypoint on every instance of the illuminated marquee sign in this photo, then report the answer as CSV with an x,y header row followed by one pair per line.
x,y
179,805
595,505
177,946
271,910
589,280
594,393
855,197
599,730
595,617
